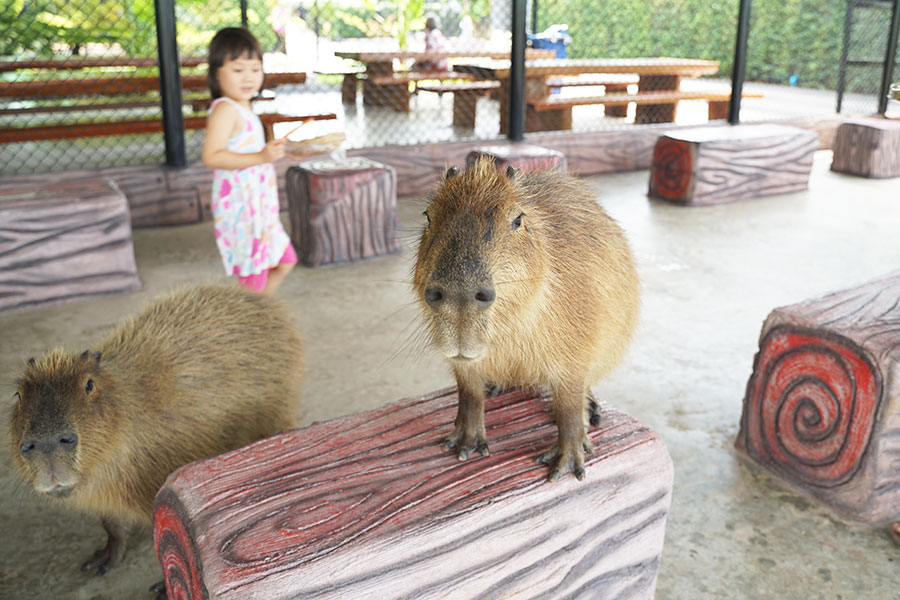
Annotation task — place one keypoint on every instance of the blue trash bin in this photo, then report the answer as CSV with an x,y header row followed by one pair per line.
x,y
556,38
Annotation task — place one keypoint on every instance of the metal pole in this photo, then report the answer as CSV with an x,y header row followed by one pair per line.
x,y
517,74
244,21
534,15
888,71
170,83
845,51
740,63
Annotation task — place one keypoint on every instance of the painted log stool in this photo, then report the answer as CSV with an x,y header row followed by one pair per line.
x,y
713,165
821,408
525,157
342,210
64,240
370,506
869,147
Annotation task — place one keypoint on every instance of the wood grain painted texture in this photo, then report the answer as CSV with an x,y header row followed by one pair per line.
x,y
64,240
342,210
821,408
370,506
868,147
525,157
713,165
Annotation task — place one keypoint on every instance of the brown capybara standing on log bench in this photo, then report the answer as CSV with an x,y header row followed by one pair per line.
x,y
525,281
201,371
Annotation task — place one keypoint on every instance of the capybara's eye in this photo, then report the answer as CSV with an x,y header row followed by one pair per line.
x,y
26,447
69,440
89,386
517,222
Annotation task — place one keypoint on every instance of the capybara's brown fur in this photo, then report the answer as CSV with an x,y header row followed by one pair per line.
x,y
525,281
203,370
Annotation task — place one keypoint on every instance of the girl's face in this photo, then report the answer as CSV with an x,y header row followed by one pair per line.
x,y
240,79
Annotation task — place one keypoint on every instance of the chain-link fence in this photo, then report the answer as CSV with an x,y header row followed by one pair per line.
x,y
79,83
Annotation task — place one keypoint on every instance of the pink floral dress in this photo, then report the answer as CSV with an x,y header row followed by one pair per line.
x,y
244,205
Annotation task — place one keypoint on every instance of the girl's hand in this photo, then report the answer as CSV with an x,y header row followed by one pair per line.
x,y
273,150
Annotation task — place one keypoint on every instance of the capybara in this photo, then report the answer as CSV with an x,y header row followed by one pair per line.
x,y
525,281
203,370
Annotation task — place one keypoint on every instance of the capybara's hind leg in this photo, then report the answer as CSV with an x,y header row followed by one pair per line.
x,y
109,556
567,455
593,408
468,433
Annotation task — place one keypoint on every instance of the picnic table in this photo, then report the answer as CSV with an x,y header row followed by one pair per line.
x,y
658,83
383,85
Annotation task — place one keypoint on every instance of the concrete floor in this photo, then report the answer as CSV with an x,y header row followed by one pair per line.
x,y
710,277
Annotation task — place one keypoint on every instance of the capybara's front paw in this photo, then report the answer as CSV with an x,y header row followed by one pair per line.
x,y
464,442
566,460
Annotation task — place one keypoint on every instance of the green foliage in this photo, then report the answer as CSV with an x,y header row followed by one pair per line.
x,y
394,19
788,38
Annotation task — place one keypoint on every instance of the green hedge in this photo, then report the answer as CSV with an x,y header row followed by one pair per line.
x,y
795,41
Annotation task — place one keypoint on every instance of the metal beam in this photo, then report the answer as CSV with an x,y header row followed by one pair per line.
x,y
170,83
739,70
517,74
889,55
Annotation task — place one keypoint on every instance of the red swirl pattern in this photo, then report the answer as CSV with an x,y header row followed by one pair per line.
x,y
812,404
176,554
671,168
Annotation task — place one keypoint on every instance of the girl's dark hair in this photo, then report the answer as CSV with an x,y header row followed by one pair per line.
x,y
229,44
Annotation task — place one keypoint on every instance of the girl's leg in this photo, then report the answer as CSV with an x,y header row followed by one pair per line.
x,y
276,276
280,271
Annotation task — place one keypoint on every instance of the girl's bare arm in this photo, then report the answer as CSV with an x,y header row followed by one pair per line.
x,y
220,127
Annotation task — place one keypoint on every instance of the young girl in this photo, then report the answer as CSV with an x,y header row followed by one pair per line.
x,y
253,244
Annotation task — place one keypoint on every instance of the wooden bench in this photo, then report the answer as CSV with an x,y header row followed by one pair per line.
x,y
555,113
465,97
109,86
352,76
62,131
394,90
370,506
612,83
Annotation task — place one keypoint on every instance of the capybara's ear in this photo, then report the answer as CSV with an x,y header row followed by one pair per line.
x,y
97,356
451,172
31,361
85,354
511,172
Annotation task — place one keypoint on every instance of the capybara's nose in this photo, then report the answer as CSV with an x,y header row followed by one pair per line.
x,y
485,297
434,295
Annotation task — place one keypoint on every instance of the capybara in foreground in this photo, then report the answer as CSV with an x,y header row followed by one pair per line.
x,y
525,281
202,370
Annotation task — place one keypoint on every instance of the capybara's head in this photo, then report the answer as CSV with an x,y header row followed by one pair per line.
x,y
480,261
59,418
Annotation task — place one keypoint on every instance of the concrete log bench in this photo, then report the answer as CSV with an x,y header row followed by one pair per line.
x,y
342,210
713,165
65,240
370,506
525,157
821,409
868,147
